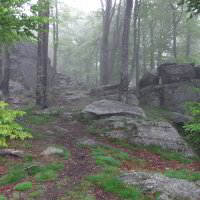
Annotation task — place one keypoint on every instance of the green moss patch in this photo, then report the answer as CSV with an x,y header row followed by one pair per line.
x,y
24,186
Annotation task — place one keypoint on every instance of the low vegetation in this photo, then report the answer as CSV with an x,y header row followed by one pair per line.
x,y
24,186
9,128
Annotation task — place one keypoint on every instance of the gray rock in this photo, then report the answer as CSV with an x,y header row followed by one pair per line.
x,y
87,141
175,95
176,73
177,118
197,70
149,78
144,132
170,188
1,96
151,95
105,108
16,87
52,151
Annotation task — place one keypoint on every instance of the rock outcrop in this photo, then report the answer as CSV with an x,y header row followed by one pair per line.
x,y
178,84
143,131
169,188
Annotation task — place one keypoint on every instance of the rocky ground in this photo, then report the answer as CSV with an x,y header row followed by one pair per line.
x,y
94,154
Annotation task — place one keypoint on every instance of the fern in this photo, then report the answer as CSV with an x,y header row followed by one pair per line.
x,y
9,129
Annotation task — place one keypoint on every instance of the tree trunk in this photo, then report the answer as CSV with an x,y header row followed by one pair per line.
x,y
135,36
115,42
123,92
174,35
42,57
104,53
5,75
152,58
137,58
144,53
188,43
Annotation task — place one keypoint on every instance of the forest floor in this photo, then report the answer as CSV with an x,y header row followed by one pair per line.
x,y
82,172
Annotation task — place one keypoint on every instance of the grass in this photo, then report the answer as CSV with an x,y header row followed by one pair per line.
x,y
80,192
48,172
114,185
2,197
12,177
36,194
166,154
40,119
183,174
24,186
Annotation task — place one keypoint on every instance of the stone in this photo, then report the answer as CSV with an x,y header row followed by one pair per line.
x,y
175,95
177,118
87,141
1,96
170,188
52,151
176,73
151,95
144,132
197,70
16,87
149,78
105,108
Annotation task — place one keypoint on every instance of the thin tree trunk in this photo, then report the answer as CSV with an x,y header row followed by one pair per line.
x,y
104,53
174,35
135,36
144,53
188,44
152,58
42,59
123,92
115,42
137,59
5,76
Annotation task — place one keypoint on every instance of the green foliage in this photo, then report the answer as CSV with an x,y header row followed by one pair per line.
x,y
193,128
49,175
9,128
114,185
24,186
183,174
2,197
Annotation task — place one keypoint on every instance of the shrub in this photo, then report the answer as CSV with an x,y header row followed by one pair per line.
x,y
193,128
24,186
9,129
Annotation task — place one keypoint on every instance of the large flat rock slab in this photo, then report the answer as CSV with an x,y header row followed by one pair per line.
x,y
169,188
105,108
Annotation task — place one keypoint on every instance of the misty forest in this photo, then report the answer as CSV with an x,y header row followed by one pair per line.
x,y
99,100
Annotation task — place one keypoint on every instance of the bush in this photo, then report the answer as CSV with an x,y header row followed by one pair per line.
x,y
193,128
9,129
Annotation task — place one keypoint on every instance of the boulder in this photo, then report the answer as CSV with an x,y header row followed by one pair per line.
x,y
87,141
176,73
175,95
144,132
169,188
197,70
149,78
177,118
104,108
52,151
151,95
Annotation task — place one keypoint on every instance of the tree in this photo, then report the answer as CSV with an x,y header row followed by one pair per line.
x,y
42,56
15,24
104,52
123,92
193,6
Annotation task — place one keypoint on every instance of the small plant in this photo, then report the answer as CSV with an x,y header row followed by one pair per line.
x,y
24,186
9,128
193,128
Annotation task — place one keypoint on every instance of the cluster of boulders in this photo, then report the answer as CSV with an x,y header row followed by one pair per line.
x,y
171,85
113,119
